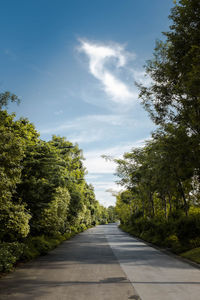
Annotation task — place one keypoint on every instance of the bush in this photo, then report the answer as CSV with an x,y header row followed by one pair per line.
x,y
188,228
195,243
173,243
82,227
193,255
39,245
32,247
9,254
177,234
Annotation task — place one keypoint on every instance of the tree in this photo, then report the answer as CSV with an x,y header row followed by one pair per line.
x,y
173,97
174,93
43,186
7,97
112,217
73,172
14,217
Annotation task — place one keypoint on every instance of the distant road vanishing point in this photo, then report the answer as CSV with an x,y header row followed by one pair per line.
x,y
103,263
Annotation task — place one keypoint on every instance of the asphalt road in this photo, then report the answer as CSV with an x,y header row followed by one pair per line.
x,y
99,264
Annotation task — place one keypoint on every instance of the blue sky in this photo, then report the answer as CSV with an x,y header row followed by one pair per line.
x,y
73,63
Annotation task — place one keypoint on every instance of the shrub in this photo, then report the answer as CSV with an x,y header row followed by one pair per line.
x,y
82,227
173,243
193,254
188,228
9,254
177,234
195,243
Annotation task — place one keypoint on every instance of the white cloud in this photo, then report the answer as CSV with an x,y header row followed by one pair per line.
x,y
96,164
104,192
89,128
98,167
92,176
83,122
141,77
106,185
99,58
89,121
92,128
117,88
86,136
58,128
105,199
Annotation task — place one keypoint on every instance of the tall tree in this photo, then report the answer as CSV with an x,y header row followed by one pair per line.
x,y
14,217
174,93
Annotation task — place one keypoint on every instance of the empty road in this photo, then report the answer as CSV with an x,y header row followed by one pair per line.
x,y
99,264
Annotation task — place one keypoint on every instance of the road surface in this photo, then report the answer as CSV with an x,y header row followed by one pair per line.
x,y
103,263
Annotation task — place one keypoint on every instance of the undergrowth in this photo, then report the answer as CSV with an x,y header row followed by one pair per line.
x,y
180,236
31,247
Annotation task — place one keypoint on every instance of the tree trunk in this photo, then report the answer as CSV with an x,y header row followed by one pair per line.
x,y
164,205
183,196
152,211
170,202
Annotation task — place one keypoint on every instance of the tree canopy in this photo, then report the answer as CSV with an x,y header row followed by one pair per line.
x,y
162,179
43,190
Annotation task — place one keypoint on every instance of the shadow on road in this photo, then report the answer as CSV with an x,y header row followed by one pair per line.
x,y
87,263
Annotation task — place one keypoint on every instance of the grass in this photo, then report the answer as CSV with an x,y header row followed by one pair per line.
x,y
193,255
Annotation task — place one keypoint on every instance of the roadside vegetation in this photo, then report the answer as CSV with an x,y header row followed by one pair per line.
x,y
161,198
44,197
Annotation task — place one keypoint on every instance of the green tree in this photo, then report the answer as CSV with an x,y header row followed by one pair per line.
x,y
173,98
42,176
112,217
7,97
174,93
73,172
13,215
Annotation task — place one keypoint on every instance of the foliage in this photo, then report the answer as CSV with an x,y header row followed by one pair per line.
x,y
173,97
174,92
112,216
9,254
7,97
44,197
188,228
193,255
13,215
161,200
53,218
175,235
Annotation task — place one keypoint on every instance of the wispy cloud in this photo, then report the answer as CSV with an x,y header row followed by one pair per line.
x,y
93,128
39,70
102,58
92,176
141,77
106,199
86,136
100,171
92,120
96,164
106,186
